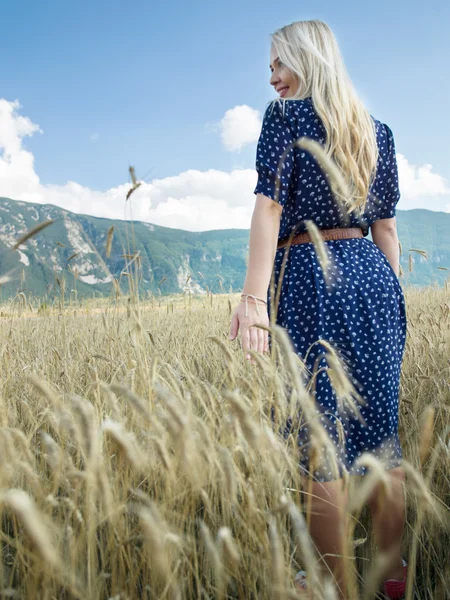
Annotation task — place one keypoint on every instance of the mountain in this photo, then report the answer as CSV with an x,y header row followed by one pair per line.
x,y
216,260
172,254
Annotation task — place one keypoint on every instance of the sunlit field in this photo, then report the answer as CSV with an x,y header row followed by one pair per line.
x,y
139,459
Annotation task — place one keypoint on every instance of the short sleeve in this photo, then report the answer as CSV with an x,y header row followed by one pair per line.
x,y
275,153
392,191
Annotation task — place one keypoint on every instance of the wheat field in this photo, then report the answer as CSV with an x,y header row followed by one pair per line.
x,y
139,459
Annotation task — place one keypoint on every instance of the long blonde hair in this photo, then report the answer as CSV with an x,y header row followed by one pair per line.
x,y
310,50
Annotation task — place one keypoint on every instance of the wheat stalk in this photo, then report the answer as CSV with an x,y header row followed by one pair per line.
x,y
32,232
109,240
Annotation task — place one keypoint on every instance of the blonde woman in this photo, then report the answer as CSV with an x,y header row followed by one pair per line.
x,y
359,307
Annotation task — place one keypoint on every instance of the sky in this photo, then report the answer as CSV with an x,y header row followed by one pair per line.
x,y
177,89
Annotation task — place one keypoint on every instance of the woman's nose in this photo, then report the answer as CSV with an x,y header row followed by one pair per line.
x,y
273,79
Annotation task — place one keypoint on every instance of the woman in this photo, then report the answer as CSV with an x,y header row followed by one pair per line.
x,y
360,310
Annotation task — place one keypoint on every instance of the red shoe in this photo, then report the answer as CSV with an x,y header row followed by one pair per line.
x,y
395,589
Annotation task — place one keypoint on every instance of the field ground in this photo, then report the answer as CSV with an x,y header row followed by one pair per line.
x,y
138,459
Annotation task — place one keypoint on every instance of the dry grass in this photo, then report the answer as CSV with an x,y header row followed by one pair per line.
x,y
139,459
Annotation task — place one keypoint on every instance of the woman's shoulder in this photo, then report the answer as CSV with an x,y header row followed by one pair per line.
x,y
381,128
298,115
385,137
289,107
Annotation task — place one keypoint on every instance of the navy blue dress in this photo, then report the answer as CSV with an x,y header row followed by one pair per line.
x,y
360,311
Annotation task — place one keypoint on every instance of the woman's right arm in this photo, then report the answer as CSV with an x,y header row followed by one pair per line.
x,y
384,228
384,235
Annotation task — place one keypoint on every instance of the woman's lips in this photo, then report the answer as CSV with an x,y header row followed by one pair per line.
x,y
283,92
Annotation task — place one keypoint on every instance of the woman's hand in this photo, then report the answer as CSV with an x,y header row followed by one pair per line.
x,y
252,338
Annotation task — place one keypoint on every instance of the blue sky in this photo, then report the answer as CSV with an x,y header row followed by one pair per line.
x,y
146,83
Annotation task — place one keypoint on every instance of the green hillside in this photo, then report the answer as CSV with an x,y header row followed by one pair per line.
x,y
215,260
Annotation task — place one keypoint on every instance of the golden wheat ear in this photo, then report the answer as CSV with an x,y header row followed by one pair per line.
x,y
32,232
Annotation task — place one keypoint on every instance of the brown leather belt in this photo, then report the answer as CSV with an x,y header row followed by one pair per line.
x,y
339,233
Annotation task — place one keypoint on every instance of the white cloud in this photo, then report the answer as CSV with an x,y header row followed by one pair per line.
x,y
16,164
192,200
240,125
419,185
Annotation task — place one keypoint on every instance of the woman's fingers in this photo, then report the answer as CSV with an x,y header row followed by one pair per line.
x,y
261,336
254,338
261,340
248,340
258,339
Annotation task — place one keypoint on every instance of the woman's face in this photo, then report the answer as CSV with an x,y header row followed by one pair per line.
x,y
283,80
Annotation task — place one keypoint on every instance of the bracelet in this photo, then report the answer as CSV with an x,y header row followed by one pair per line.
x,y
256,297
246,302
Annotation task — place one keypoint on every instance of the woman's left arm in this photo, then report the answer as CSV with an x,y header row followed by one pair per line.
x,y
264,229
274,165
